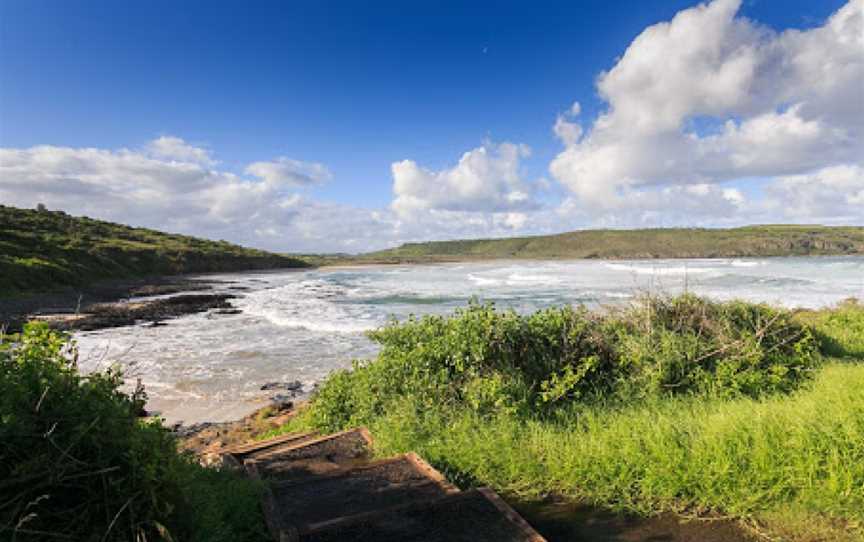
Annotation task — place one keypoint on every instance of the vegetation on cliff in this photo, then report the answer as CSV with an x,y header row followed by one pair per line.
x,y
42,250
675,404
750,241
77,463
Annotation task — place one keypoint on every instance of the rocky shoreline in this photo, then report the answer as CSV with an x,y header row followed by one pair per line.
x,y
116,303
207,440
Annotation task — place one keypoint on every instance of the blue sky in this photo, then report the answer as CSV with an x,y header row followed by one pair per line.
x,y
359,86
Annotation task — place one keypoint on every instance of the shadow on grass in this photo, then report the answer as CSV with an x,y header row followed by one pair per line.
x,y
559,519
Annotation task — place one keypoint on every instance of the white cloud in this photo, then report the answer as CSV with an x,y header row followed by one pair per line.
x,y
690,205
830,195
567,131
710,97
174,148
151,188
486,179
263,209
288,172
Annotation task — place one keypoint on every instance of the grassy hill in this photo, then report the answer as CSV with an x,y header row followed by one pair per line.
x,y
46,250
750,241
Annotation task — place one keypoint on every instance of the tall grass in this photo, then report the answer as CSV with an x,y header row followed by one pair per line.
x,y
840,329
677,404
740,456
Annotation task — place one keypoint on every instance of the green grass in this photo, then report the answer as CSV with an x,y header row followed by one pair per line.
x,y
750,241
43,250
76,462
841,328
788,458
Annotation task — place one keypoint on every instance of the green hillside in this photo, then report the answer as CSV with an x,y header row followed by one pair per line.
x,y
45,250
750,241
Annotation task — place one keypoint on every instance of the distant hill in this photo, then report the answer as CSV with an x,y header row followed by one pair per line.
x,y
44,250
750,241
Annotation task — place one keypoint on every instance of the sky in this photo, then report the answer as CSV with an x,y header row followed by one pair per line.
x,y
337,126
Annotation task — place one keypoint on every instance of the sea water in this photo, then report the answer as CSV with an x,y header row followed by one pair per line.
x,y
301,325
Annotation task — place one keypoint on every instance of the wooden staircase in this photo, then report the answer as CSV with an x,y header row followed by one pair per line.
x,y
328,488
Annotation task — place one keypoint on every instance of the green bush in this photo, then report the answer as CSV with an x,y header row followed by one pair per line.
x,y
678,405
76,462
494,361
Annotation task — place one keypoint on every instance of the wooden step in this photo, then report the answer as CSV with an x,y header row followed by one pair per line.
x,y
307,503
477,515
239,453
311,456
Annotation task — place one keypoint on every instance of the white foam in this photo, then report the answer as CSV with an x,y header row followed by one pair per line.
x,y
303,325
484,281
309,305
660,269
745,263
528,278
316,324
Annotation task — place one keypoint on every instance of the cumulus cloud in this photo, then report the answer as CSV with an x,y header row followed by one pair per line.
x,y
711,96
568,131
174,148
830,195
486,179
667,206
289,172
181,192
168,185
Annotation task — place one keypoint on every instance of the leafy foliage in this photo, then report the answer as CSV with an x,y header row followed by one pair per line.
x,y
77,463
674,404
41,250
494,361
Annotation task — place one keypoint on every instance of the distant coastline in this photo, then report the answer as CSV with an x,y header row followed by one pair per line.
x,y
46,251
666,243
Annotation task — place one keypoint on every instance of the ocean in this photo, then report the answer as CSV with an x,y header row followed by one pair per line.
x,y
301,325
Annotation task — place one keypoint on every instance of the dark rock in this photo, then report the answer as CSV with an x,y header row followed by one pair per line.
x,y
157,323
282,402
104,315
286,386
227,311
164,289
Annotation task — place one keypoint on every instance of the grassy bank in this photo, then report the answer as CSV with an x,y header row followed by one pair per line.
x,y
675,405
76,462
750,241
44,250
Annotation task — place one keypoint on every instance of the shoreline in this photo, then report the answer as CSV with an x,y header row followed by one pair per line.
x,y
148,302
68,304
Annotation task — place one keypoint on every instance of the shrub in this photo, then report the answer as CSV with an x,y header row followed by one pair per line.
x,y
76,462
493,361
